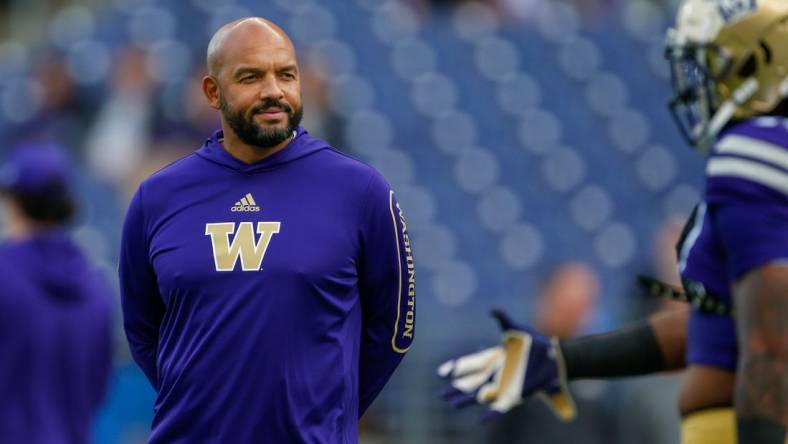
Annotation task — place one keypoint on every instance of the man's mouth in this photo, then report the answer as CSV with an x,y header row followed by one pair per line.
x,y
272,113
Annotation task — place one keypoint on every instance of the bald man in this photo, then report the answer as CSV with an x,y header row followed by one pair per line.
x,y
267,280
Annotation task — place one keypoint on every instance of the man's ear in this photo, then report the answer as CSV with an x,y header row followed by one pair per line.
x,y
210,87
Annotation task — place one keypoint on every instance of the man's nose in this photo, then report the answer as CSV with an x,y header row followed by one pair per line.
x,y
271,89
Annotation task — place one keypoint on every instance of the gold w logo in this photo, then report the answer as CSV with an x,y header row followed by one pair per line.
x,y
244,244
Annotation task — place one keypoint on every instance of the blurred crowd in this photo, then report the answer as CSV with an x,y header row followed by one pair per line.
x,y
137,125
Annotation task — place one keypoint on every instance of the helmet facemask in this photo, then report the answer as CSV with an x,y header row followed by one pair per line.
x,y
695,72
726,68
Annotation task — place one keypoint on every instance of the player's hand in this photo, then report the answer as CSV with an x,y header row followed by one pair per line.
x,y
526,363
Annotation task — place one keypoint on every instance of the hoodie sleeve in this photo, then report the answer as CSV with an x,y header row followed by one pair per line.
x,y
388,290
143,308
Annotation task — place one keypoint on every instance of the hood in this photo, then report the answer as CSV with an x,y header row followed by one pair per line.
x,y
302,145
53,263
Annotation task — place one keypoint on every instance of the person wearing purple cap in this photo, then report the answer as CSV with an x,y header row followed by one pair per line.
x,y
55,308
267,280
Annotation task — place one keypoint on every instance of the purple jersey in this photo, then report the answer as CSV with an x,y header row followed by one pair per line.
x,y
55,341
711,337
266,302
741,225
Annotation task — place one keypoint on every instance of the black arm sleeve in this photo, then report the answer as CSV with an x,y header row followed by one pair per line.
x,y
630,351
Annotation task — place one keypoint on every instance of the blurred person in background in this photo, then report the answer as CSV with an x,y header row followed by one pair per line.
x,y
267,281
324,122
55,308
62,114
566,301
165,140
116,142
200,117
728,64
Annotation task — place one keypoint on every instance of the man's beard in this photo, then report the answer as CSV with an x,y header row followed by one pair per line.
x,y
253,134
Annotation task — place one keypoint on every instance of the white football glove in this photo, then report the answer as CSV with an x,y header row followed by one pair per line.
x,y
526,363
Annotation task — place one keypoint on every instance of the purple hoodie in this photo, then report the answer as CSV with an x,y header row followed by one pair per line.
x,y
55,341
266,302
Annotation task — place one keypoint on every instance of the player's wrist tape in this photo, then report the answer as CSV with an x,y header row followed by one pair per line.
x,y
631,351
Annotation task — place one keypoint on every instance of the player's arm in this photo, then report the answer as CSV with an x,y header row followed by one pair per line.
x,y
387,280
747,195
755,235
762,385
143,308
653,345
528,363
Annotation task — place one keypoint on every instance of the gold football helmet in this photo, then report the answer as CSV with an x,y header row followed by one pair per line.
x,y
729,61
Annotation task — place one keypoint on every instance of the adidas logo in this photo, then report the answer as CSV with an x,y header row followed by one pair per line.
x,y
246,203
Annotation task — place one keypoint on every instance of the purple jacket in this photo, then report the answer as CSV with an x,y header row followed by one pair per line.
x,y
267,302
55,341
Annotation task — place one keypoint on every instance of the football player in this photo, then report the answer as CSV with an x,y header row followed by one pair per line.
x,y
729,65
